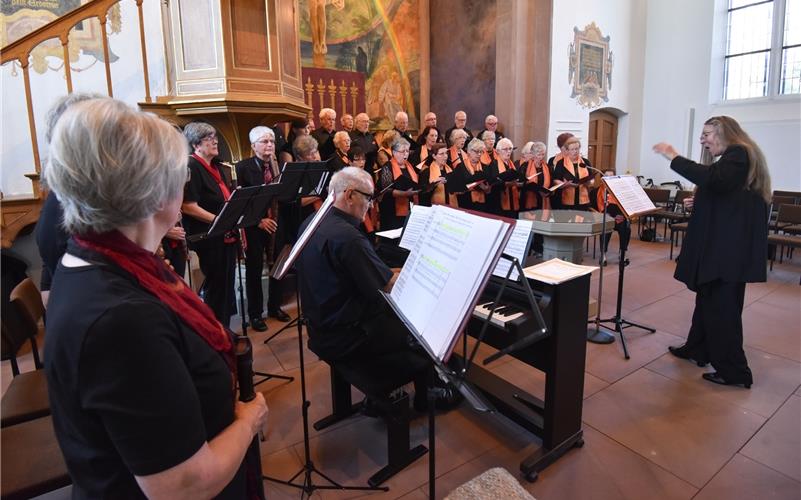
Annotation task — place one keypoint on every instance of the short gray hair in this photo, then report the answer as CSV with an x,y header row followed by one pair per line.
x,y
456,134
399,143
476,146
113,166
195,132
327,111
487,134
340,136
505,142
538,146
527,147
257,133
55,112
303,146
349,177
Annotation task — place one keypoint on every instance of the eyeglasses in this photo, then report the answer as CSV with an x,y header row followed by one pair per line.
x,y
265,141
505,149
210,138
369,196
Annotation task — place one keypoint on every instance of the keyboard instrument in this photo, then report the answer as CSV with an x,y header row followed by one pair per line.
x,y
560,355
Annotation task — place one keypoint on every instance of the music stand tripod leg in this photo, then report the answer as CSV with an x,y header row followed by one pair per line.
x,y
265,376
307,486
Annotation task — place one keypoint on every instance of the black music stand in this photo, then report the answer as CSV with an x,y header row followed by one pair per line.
x,y
298,180
244,208
617,320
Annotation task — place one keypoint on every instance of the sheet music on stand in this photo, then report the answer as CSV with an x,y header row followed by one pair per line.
x,y
631,197
286,260
517,247
446,271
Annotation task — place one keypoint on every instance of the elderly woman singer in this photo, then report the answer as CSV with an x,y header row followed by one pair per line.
x,y
140,372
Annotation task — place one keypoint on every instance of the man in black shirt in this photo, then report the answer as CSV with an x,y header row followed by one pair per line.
x,y
361,137
460,122
491,125
325,133
259,169
340,277
402,128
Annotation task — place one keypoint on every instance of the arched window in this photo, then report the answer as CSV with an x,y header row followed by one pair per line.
x,y
763,49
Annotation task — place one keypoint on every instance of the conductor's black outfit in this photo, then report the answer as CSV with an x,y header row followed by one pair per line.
x,y
350,324
725,248
255,172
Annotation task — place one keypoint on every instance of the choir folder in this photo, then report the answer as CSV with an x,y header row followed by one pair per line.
x,y
447,269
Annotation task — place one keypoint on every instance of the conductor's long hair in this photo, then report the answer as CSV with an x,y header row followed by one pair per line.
x,y
730,132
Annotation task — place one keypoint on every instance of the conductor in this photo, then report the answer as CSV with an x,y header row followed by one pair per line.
x,y
340,276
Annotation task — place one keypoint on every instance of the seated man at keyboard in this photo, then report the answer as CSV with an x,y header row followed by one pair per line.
x,y
340,277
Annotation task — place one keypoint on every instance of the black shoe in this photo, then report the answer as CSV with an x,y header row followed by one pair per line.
x,y
680,352
716,378
258,324
279,314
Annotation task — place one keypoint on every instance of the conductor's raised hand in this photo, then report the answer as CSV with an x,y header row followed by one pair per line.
x,y
666,150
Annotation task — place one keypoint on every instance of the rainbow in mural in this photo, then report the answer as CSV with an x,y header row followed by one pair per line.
x,y
375,41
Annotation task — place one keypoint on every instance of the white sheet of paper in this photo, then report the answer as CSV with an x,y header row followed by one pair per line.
x,y
557,271
304,238
633,199
392,234
444,270
516,247
418,218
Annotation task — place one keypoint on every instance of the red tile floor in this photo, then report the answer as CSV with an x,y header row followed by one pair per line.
x,y
653,428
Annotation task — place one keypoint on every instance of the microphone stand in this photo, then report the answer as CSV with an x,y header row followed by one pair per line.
x,y
595,334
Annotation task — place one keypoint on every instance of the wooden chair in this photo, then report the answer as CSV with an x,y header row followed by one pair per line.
x,y
789,216
675,230
26,397
660,198
32,461
675,212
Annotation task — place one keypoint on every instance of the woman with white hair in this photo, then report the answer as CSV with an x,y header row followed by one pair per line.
x,y
340,159
504,198
536,177
140,373
469,178
204,196
456,151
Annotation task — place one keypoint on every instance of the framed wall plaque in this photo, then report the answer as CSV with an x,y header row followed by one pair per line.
x,y
590,68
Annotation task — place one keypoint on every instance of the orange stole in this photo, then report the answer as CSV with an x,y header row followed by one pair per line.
x,y
402,202
579,172
599,198
476,195
438,195
510,197
486,159
544,180
370,220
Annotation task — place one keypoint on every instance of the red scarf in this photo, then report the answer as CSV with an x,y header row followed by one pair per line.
x,y
159,280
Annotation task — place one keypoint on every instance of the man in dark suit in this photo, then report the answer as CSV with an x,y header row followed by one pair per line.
x,y
259,169
324,134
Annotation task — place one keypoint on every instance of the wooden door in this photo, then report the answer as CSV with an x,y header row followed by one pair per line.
x,y
602,144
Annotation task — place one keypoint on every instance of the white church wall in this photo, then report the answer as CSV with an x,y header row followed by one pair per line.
x,y
16,154
684,53
622,21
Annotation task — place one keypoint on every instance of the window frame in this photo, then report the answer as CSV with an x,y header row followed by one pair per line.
x,y
775,54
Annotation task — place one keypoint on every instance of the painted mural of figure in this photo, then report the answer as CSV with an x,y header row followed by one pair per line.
x,y
391,96
361,60
319,22
373,91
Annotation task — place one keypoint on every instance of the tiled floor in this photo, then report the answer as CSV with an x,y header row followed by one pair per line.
x,y
652,427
